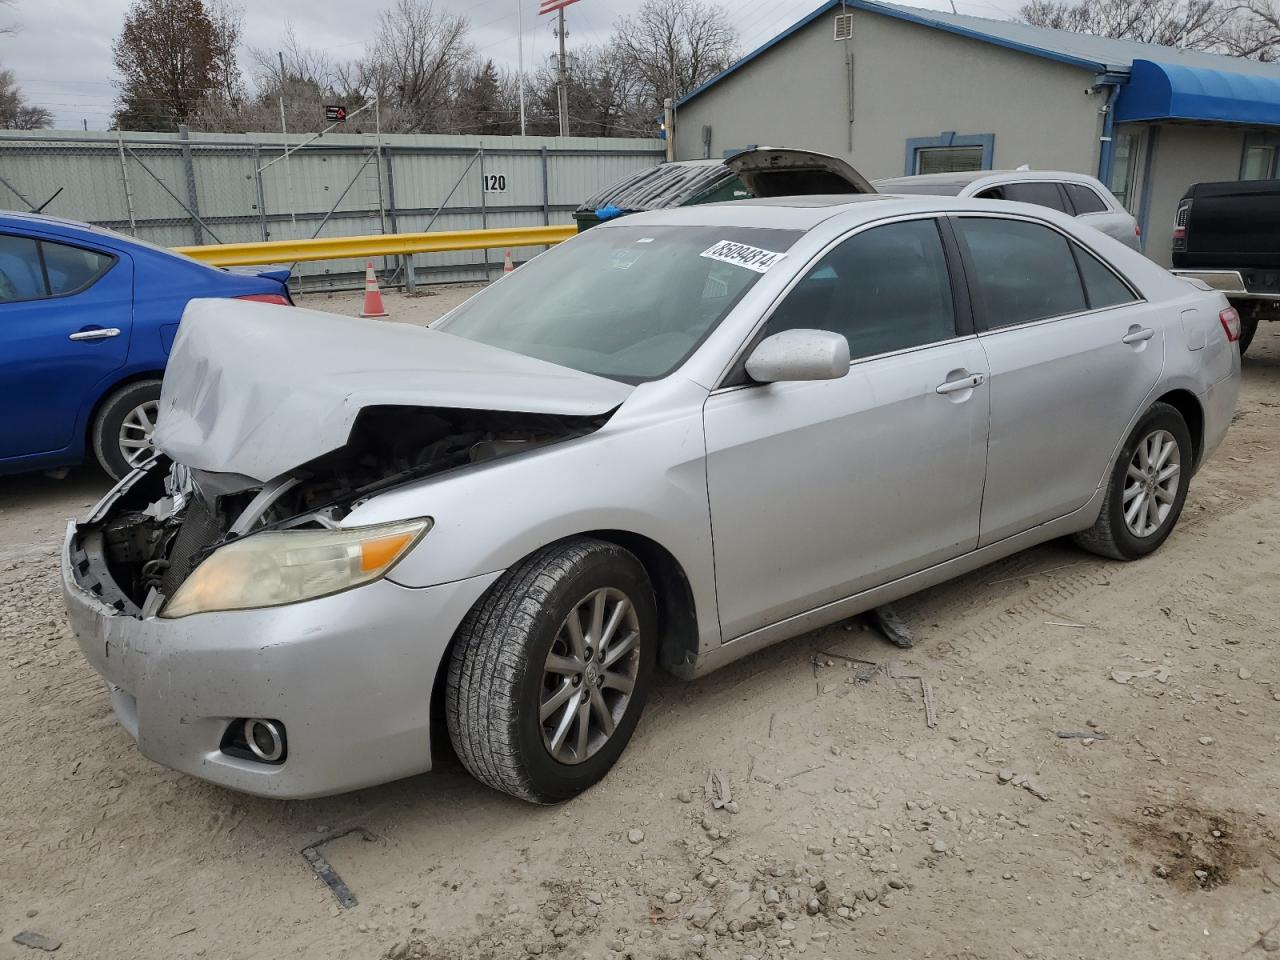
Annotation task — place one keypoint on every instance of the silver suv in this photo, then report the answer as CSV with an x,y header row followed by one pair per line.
x,y
1074,194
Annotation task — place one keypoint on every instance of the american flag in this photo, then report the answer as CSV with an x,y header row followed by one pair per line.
x,y
551,6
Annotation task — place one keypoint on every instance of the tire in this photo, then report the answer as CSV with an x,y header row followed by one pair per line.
x,y
498,677
1248,327
105,433
1113,535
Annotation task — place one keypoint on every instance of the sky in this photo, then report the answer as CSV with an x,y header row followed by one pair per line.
x,y
61,54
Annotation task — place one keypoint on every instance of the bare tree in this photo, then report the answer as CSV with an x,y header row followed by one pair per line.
x,y
1247,28
1254,31
227,18
672,46
415,60
292,62
15,112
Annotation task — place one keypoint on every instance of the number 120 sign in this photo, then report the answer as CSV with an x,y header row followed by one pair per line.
x,y
495,183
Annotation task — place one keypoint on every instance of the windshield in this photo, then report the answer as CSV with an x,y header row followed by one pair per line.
x,y
628,303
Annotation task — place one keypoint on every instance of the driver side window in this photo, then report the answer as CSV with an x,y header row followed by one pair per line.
x,y
883,289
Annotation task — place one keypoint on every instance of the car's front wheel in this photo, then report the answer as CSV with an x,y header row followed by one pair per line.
x,y
550,670
1147,488
121,432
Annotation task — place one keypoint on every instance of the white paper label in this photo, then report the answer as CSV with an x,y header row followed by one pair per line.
x,y
742,255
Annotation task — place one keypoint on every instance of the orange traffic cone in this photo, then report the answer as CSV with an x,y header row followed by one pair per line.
x,y
507,265
372,295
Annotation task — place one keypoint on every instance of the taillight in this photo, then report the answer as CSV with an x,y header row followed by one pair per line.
x,y
1137,230
1230,321
267,298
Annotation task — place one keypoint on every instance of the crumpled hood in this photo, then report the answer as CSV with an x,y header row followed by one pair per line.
x,y
257,389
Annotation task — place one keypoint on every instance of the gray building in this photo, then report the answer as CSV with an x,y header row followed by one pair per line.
x,y
899,90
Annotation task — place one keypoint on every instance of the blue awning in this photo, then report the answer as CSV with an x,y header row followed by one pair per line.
x,y
1163,91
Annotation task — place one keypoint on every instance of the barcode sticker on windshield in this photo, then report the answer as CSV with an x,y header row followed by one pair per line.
x,y
742,255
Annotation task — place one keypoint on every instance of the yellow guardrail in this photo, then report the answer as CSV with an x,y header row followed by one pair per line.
x,y
378,245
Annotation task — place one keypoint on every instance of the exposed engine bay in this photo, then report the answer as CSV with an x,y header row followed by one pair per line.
x,y
173,517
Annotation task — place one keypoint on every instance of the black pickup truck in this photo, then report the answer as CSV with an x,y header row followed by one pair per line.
x,y
1227,235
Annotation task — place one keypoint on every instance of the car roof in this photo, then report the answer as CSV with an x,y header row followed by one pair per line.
x,y
804,213
16,218
963,178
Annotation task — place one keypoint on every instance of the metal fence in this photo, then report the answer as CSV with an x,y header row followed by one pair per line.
x,y
184,189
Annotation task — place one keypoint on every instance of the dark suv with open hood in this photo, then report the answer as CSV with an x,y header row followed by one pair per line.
x,y
756,172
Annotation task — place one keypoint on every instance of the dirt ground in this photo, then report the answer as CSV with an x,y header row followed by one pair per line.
x,y
1150,832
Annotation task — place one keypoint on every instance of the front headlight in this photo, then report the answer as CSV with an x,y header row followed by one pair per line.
x,y
276,567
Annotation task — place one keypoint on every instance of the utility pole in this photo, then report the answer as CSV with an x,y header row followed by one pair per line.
x,y
520,57
669,127
284,130
562,83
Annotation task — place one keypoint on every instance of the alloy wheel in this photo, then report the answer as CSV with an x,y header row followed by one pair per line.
x,y
1151,483
135,432
589,675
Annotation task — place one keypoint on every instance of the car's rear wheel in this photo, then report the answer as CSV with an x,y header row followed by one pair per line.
x,y
1248,327
550,670
121,432
1147,489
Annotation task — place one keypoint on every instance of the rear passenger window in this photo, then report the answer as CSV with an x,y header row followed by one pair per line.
x,y
20,275
1084,199
885,289
1040,192
1021,271
1102,287
72,268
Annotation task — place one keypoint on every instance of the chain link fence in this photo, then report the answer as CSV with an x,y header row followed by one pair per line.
x,y
189,189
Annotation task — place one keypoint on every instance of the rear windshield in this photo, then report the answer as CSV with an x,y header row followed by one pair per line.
x,y
628,303
909,185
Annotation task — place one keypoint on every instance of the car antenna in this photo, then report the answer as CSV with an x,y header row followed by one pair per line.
x,y
40,208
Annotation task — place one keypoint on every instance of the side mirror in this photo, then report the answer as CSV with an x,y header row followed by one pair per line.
x,y
799,355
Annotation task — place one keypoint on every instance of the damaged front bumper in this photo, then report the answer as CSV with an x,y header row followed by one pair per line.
x,y
349,676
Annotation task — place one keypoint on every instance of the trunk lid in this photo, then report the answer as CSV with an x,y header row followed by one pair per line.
x,y
785,172
254,390
278,274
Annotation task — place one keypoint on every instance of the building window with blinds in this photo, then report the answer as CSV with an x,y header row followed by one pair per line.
x,y
949,152
948,159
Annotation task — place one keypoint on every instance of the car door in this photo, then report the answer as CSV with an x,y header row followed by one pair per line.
x,y
1074,354
65,318
821,489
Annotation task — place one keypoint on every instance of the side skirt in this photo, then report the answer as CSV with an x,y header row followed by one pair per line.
x,y
842,609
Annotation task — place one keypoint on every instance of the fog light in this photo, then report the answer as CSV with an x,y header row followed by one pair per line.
x,y
265,739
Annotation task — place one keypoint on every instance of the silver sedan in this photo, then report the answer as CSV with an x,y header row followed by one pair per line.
x,y
671,441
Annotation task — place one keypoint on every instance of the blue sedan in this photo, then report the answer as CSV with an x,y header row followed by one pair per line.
x,y
87,317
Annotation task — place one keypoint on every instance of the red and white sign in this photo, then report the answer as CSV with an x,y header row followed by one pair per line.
x,y
551,6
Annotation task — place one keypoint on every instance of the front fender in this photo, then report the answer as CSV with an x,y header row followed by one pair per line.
x,y
644,472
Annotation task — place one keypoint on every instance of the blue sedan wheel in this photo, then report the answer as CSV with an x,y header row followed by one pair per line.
x,y
121,434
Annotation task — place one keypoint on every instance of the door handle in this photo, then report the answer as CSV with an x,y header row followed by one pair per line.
x,y
964,383
102,333
1138,334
